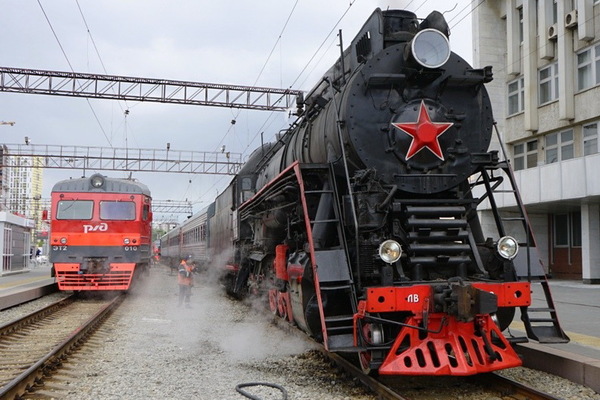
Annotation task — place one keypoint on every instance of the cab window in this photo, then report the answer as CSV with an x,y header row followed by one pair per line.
x,y
74,209
117,210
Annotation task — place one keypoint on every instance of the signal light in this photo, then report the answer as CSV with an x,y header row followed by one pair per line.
x,y
390,251
507,247
97,181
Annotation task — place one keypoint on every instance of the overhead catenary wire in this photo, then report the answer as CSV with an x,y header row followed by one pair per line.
x,y
326,43
263,67
421,5
319,49
306,66
125,110
72,70
236,115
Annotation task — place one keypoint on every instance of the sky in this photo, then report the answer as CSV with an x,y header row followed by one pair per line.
x,y
268,43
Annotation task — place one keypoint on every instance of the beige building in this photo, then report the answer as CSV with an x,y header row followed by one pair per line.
x,y
4,179
24,181
546,97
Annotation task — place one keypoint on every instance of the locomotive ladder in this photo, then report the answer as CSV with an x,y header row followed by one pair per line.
x,y
332,270
544,326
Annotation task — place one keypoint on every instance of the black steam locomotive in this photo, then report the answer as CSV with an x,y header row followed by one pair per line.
x,y
360,223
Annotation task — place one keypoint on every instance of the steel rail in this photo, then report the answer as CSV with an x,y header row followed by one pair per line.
x,y
512,388
34,316
35,374
378,388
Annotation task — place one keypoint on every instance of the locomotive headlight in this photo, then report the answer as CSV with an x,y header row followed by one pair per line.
x,y
97,180
390,251
507,247
63,240
430,48
126,241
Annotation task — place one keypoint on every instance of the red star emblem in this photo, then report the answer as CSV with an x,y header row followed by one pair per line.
x,y
424,133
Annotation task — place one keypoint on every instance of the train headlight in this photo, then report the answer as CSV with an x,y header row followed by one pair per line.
x,y
390,251
507,247
97,181
126,241
63,240
430,48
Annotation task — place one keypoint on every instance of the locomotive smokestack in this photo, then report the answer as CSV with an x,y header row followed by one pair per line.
x,y
436,20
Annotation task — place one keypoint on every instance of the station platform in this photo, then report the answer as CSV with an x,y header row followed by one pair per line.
x,y
26,285
578,310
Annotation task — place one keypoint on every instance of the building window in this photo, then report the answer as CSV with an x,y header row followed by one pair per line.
x,y
575,229
590,139
525,155
519,159
567,229
521,24
588,68
584,70
516,96
561,230
548,83
559,146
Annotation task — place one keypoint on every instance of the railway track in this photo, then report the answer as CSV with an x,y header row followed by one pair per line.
x,y
474,387
33,346
415,388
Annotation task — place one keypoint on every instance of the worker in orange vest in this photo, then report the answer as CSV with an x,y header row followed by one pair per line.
x,y
185,281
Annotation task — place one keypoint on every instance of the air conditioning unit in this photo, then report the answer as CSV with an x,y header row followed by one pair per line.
x,y
552,32
571,20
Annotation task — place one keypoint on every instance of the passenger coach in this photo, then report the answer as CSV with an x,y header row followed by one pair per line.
x,y
188,239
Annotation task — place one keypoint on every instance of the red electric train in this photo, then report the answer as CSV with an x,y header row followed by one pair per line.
x,y
100,233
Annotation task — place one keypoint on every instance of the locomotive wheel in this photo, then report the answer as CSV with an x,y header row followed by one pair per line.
x,y
372,334
504,316
364,359
273,301
281,306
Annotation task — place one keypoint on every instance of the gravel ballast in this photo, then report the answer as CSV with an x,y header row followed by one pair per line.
x,y
157,350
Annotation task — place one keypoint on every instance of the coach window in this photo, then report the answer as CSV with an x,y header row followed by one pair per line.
x,y
145,212
74,209
117,210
